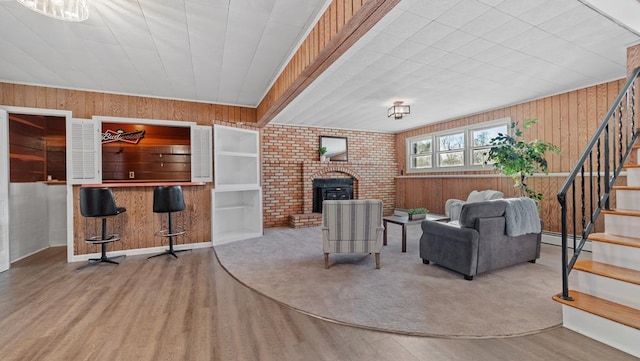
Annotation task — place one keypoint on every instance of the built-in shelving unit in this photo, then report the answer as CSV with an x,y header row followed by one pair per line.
x,y
237,197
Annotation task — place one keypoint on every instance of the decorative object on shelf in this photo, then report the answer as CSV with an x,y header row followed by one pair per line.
x,y
67,10
398,110
519,159
417,213
322,151
336,147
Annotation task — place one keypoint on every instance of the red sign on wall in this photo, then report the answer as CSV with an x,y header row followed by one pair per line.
x,y
110,136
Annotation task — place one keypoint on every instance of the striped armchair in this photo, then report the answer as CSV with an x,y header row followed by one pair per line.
x,y
352,226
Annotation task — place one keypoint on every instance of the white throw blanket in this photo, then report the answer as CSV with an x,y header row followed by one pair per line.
x,y
521,216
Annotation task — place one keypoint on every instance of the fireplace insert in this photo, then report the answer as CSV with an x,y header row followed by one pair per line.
x,y
331,188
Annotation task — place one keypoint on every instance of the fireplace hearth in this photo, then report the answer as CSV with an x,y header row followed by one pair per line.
x,y
331,188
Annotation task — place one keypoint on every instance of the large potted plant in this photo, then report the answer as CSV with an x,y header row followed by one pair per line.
x,y
520,159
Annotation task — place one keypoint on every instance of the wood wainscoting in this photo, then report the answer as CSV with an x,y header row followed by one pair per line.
x,y
432,192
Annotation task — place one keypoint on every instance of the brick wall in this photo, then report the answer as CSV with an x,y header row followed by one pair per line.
x,y
290,162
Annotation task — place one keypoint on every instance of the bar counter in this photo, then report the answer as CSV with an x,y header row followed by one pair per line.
x,y
138,225
143,184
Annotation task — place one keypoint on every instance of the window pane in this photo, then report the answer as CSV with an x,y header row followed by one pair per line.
x,y
451,142
452,159
483,137
421,146
479,155
421,162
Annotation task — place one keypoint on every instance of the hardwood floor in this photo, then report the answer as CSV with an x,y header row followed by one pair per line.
x,y
191,309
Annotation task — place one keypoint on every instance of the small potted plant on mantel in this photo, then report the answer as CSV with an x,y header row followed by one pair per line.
x,y
322,151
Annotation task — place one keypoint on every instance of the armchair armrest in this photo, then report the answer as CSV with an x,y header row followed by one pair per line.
x,y
453,247
452,208
379,237
449,232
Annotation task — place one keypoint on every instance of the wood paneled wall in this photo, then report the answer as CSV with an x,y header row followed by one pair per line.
x,y
146,163
85,104
140,223
341,25
56,145
567,120
164,154
27,153
36,148
633,58
432,193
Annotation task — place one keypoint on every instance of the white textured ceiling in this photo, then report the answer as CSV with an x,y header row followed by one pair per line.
x,y
446,58
221,51
450,58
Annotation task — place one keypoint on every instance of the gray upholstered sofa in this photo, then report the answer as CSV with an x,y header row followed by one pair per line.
x,y
479,243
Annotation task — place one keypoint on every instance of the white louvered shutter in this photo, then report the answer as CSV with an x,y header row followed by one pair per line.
x,y
201,153
84,151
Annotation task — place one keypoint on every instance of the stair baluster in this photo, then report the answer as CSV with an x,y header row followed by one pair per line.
x,y
606,304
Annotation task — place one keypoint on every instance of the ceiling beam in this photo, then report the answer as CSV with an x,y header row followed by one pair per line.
x,y
341,25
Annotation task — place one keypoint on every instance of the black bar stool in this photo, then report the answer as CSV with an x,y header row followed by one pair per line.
x,y
167,199
99,202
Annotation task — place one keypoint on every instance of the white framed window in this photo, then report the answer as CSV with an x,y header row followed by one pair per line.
x,y
481,139
451,150
461,148
421,153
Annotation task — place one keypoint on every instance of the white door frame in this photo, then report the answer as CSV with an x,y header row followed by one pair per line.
x,y
5,258
56,113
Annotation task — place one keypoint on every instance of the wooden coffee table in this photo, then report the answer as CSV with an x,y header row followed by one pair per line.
x,y
405,222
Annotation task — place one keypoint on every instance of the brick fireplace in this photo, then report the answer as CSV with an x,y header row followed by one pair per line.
x,y
290,163
322,173
315,172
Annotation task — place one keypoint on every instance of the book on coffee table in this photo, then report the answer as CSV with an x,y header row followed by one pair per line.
x,y
400,212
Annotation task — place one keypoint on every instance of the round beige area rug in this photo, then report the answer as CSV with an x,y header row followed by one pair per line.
x,y
404,295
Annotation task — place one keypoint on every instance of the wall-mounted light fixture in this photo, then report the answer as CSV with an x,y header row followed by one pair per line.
x,y
67,10
398,110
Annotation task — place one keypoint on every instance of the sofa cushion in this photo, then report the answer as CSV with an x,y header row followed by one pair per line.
x,y
471,211
490,194
476,196
479,196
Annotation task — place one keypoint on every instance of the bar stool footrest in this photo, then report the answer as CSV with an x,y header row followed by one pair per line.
x,y
165,233
98,239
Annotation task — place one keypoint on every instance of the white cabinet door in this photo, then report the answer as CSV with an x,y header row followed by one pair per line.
x,y
4,191
84,151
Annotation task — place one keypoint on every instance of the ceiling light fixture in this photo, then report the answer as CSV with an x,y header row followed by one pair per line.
x,y
67,10
398,110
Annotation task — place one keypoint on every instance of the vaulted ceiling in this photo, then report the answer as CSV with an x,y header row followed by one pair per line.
x,y
446,58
